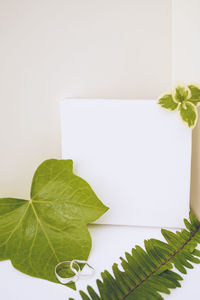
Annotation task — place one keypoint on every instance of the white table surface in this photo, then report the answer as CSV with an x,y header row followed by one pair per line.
x,y
109,243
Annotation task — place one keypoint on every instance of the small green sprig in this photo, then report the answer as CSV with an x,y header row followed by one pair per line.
x,y
184,98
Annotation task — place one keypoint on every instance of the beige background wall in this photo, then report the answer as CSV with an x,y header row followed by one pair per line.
x,y
81,48
72,48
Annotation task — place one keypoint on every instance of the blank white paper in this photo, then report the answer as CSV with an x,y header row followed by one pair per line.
x,y
135,155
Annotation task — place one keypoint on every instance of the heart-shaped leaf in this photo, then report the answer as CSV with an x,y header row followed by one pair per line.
x,y
188,113
52,226
195,94
166,101
181,92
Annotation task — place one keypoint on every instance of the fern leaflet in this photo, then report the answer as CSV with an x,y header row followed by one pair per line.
x,y
148,272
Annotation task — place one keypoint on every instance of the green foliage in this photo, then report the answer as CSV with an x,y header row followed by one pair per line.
x,y
52,227
186,99
195,94
167,101
148,272
188,113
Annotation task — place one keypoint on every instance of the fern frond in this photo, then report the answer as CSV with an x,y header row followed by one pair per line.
x,y
148,272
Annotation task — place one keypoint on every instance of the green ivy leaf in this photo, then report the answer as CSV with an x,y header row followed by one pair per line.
x,y
181,92
52,227
195,94
166,101
188,114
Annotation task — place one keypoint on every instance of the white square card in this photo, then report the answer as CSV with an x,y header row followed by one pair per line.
x,y
135,155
